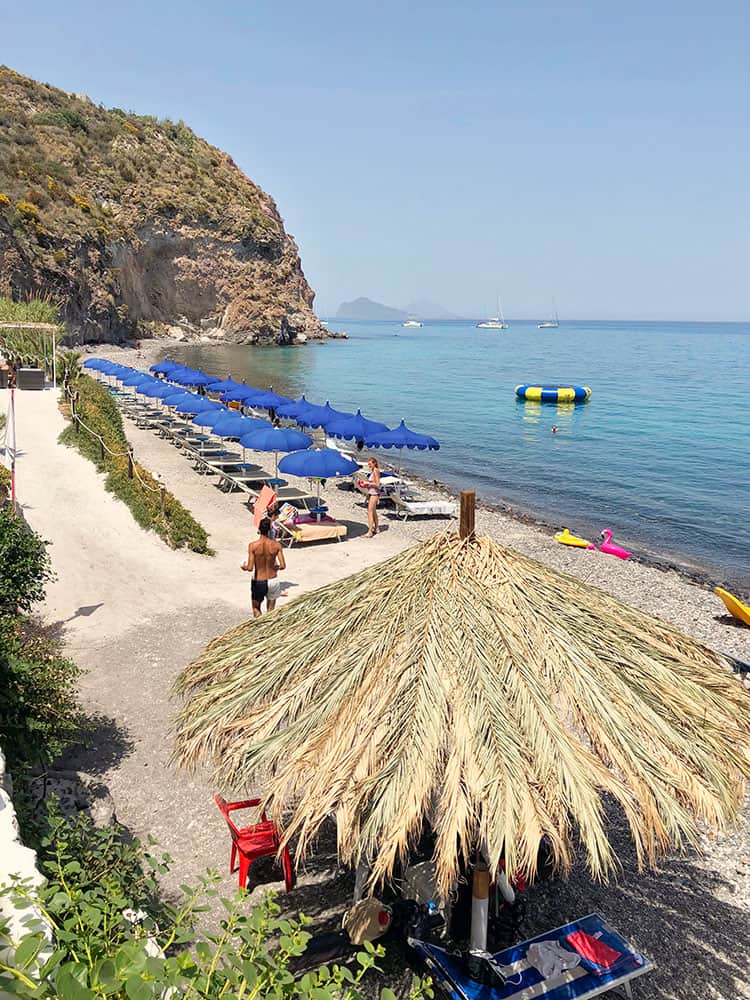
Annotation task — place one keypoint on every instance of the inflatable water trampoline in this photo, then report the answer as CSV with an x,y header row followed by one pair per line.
x,y
554,393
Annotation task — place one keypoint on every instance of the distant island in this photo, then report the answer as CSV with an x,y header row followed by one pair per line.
x,y
366,309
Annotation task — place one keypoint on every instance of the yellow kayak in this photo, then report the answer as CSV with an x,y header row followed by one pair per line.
x,y
735,608
564,537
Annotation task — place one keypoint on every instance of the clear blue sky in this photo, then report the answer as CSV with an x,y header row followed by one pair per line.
x,y
595,152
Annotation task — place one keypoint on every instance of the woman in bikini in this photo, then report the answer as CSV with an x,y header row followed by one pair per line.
x,y
373,494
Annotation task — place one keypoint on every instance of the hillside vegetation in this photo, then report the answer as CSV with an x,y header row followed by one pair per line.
x,y
130,221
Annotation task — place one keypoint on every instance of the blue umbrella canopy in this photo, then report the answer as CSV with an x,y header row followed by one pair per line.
x,y
96,363
401,437
196,404
269,400
356,427
165,366
276,439
177,397
292,409
145,384
225,385
240,394
157,390
207,418
190,376
317,463
236,426
320,416
133,378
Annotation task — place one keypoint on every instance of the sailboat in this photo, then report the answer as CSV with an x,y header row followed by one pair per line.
x,y
549,324
496,322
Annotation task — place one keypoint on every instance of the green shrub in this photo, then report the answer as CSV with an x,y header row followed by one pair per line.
x,y
99,414
97,883
63,118
39,716
38,712
25,566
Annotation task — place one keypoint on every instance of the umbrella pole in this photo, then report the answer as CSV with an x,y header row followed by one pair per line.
x,y
480,905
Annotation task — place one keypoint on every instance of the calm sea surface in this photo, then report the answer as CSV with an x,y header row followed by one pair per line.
x,y
660,454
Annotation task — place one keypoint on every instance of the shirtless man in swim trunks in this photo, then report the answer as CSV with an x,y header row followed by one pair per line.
x,y
264,558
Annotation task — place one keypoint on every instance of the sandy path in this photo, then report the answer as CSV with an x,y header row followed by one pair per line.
x,y
135,612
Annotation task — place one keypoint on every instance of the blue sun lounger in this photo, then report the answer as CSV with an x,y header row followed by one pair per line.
x,y
525,982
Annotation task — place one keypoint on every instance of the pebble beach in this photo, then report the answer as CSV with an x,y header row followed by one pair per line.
x,y
155,610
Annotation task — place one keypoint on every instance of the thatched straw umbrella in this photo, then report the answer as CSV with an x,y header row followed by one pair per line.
x,y
467,684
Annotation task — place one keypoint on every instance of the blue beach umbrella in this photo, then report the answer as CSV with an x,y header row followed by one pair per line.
x,y
207,418
134,378
224,385
402,437
356,427
320,416
291,409
145,384
236,426
269,400
190,376
239,395
317,463
195,404
177,397
158,390
164,367
276,439
95,363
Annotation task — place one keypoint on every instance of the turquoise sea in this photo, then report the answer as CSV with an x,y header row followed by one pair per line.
x,y
660,454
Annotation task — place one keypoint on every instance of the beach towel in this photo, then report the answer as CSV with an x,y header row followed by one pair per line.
x,y
551,958
264,500
593,950
288,513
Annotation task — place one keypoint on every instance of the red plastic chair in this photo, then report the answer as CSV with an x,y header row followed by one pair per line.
x,y
260,840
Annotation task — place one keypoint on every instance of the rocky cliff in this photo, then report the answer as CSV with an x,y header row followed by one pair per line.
x,y
138,227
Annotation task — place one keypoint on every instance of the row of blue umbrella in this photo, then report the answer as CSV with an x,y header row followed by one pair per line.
x,y
257,434
337,423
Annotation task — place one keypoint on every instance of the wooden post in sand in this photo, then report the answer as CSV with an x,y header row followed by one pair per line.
x,y
468,500
130,463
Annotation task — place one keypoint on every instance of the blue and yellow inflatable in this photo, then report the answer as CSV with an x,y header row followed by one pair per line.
x,y
554,393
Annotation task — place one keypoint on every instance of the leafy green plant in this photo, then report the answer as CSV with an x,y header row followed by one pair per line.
x,y
39,715
99,415
114,937
35,310
25,567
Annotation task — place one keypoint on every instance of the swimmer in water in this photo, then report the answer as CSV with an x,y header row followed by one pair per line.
x,y
554,428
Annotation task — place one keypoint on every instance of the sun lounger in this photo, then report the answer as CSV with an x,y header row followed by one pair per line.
x,y
389,484
411,504
524,981
251,483
308,528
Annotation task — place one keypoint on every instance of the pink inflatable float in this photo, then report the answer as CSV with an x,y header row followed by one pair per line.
x,y
610,549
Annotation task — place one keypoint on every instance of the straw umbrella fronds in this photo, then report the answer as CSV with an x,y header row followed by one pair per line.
x,y
464,683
